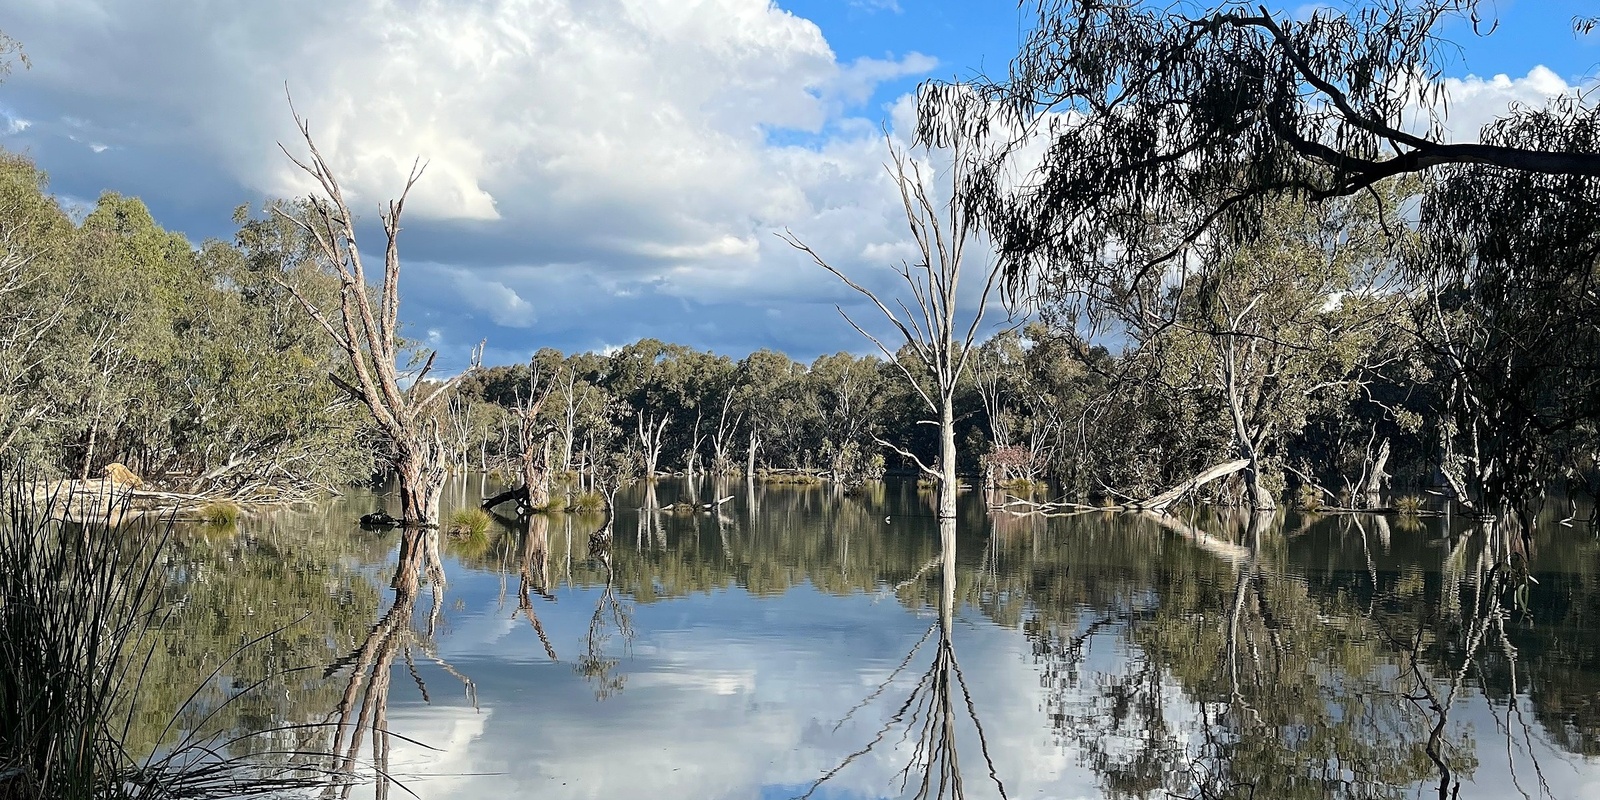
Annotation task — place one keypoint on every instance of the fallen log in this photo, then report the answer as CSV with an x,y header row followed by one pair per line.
x,y
1176,493
1049,509
520,494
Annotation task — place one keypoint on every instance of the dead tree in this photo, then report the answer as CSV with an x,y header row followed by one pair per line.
x,y
370,336
929,329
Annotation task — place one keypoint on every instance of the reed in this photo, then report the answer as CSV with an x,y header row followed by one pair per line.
x,y
80,613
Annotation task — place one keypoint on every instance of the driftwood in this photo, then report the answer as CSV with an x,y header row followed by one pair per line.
x,y
1161,501
520,494
707,507
1047,509
108,499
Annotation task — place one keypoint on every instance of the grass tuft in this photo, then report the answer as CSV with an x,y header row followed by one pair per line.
x,y
588,503
220,514
469,522
80,614
1409,505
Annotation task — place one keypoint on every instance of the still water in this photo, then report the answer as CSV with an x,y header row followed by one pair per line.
x,y
799,641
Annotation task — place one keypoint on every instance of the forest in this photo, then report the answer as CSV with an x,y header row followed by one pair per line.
x,y
1314,348
1214,303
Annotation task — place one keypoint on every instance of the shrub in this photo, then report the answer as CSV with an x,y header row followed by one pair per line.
x,y
1410,505
1308,499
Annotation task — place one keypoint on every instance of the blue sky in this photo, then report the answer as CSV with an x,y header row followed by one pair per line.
x,y
601,170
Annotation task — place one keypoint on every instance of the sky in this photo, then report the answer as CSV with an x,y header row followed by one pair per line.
x,y
598,170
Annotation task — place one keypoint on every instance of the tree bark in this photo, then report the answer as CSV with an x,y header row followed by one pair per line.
x,y
1376,477
1170,496
947,459
421,483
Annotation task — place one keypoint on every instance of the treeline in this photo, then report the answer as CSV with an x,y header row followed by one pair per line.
x,y
1320,355
120,342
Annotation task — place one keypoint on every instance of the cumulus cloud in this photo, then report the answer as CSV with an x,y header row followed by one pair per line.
x,y
1474,102
642,142
595,167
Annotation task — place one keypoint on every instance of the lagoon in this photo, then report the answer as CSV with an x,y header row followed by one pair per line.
x,y
799,635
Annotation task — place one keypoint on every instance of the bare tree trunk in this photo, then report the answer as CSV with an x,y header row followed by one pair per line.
x,y
370,337
650,439
421,483
1376,477
947,459
88,450
1259,497
939,350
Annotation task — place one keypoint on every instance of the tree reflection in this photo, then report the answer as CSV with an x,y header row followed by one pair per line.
x,y
596,665
1248,681
363,708
930,714
534,576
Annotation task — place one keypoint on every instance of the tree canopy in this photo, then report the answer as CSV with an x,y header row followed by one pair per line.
x,y
1162,114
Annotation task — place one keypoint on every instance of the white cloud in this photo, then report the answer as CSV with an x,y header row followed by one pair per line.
x,y
1473,102
873,6
634,147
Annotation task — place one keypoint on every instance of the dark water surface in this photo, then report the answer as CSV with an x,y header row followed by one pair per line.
x,y
800,634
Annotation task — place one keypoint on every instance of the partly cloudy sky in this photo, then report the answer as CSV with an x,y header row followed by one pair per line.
x,y
599,170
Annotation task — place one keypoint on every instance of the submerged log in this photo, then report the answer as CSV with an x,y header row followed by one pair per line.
x,y
1176,493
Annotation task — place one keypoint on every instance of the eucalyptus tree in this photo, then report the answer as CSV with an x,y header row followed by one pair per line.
x,y
768,399
933,333
1179,115
845,396
369,334
36,295
1510,316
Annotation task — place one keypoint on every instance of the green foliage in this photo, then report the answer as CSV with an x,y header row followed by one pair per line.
x,y
469,522
119,342
1409,505
1308,498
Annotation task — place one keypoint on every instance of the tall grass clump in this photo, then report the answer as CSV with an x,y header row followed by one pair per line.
x,y
80,614
75,603
588,503
469,522
220,513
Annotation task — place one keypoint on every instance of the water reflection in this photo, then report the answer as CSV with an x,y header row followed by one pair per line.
x,y
596,665
795,634
363,708
929,716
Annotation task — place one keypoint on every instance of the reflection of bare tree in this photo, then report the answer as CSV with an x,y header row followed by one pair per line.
x,y
364,705
1442,654
1247,682
595,664
534,576
930,712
